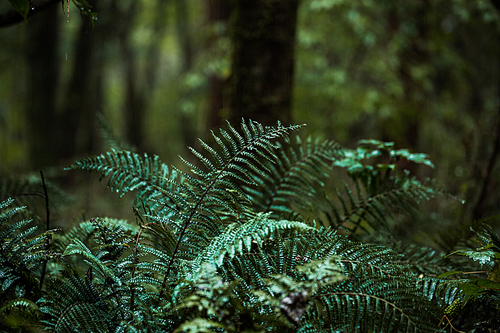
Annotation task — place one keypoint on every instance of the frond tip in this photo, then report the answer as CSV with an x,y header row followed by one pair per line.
x,y
129,172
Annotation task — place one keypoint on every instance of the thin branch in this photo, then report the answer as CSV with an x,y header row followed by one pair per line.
x,y
46,197
476,213
12,17
47,217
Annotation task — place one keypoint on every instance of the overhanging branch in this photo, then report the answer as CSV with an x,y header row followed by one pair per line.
x,y
12,17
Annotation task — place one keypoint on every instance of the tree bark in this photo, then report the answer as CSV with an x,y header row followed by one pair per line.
x,y
84,96
263,60
140,82
218,12
42,88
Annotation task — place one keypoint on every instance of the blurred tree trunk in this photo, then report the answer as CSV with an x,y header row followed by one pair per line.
x,y
264,38
43,71
218,13
134,107
84,95
140,82
414,104
479,197
188,127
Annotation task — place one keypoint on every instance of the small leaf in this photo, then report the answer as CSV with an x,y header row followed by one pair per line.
x,y
483,257
21,6
494,274
487,284
448,274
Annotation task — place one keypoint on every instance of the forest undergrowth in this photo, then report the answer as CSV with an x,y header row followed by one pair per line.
x,y
248,236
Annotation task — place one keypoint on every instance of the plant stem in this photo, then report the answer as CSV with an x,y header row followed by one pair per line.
x,y
47,227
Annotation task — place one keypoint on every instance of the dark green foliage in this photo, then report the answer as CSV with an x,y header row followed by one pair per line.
x,y
288,180
109,137
229,245
22,254
74,304
130,172
473,298
28,190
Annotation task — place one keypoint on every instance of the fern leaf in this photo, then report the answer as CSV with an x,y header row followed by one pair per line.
x,y
73,304
22,252
78,248
129,172
378,211
199,325
289,178
238,238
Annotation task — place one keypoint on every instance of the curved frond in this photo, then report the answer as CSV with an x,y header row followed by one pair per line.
x,y
129,172
238,239
74,304
289,180
376,212
22,253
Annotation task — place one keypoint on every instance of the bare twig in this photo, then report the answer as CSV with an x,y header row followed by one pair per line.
x,y
47,221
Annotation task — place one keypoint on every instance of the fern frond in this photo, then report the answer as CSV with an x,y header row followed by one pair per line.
x,y
18,313
22,252
381,292
288,180
112,140
74,304
377,311
129,172
375,213
216,191
199,325
237,239
25,189
425,261
78,248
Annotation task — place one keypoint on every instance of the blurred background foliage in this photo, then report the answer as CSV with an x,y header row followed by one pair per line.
x,y
421,73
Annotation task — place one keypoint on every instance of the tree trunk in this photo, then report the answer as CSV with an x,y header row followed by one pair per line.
x,y
187,123
218,12
42,88
84,96
140,82
134,107
263,59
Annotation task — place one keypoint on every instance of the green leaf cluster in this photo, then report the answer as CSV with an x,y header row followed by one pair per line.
x,y
231,245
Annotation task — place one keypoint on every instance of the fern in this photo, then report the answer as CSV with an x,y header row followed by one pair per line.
x,y
19,314
109,137
129,172
239,238
26,188
373,281
473,296
22,253
114,282
74,304
228,244
367,210
288,179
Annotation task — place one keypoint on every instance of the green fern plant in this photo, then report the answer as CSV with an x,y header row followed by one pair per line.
x,y
23,252
207,218
230,244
